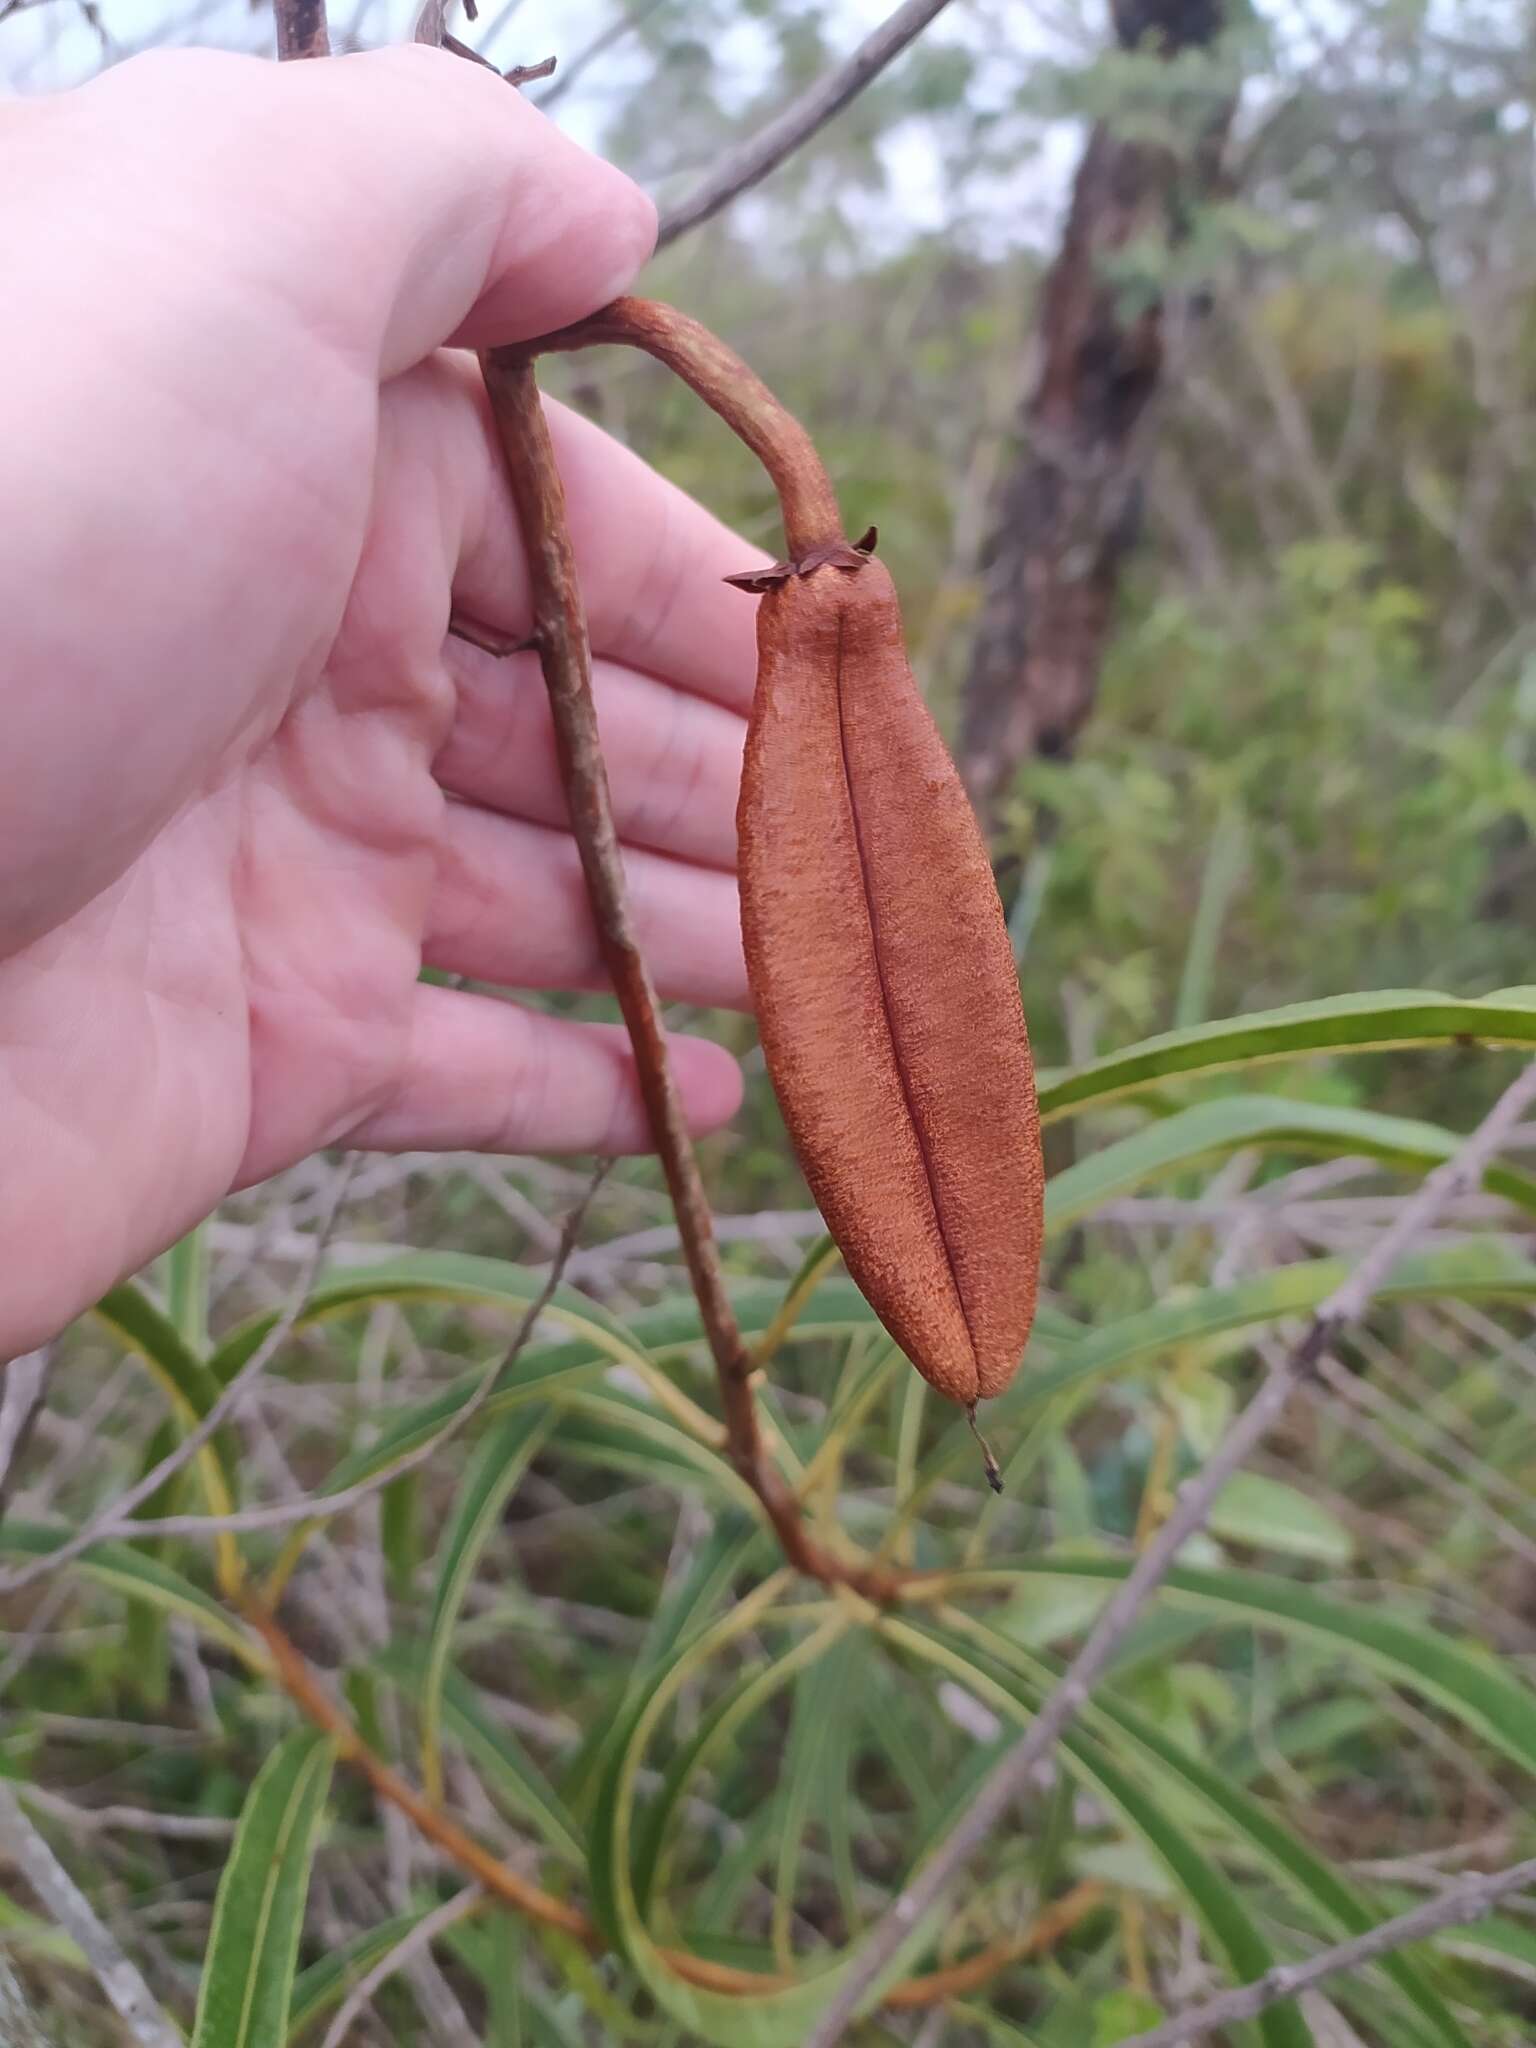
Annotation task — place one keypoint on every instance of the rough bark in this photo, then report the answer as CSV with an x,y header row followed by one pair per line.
x,y
1064,513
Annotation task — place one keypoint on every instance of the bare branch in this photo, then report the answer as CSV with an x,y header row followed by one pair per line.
x,y
623,25
18,2022
128,1820
196,1439
1454,1907
1014,1774
321,1506
127,1993
810,513
21,1395
301,29
417,1942
751,162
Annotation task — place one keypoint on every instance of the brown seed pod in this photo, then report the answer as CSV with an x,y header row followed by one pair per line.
x,y
886,992
875,943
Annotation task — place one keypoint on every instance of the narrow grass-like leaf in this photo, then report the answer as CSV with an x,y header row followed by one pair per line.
x,y
320,1988
1342,1906
451,1278
1478,1274
136,1576
186,1287
1225,861
1210,1895
187,1380
1479,1692
501,1458
1233,1122
511,1776
1382,1021
258,1915
772,2018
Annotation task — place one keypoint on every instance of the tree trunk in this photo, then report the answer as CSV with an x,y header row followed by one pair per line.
x,y
1064,513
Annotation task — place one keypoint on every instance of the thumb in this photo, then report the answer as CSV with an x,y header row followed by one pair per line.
x,y
408,197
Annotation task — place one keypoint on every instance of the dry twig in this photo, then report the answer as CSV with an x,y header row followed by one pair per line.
x,y
565,656
322,1506
420,1938
125,1990
197,1439
750,163
301,29
1014,1774
1457,1906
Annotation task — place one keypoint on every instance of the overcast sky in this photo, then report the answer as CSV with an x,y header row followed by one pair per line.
x,y
52,44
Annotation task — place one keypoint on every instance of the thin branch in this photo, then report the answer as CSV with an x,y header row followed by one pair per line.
x,y
1014,1775
714,373
223,1408
417,1942
124,1988
321,1506
575,67
128,1820
301,29
564,653
751,162
544,1909
1367,1412
1454,1907
21,1397
19,2026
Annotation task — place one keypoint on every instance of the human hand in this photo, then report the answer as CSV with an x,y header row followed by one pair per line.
x,y
247,784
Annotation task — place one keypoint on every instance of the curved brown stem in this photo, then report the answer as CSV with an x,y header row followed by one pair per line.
x,y
313,1700
561,634
741,398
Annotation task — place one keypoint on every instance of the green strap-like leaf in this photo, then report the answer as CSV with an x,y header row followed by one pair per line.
x,y
1234,1121
186,1379
1343,1907
136,1576
258,1915
1479,1692
1383,1021
1211,1896
1480,1273
501,1458
453,1277
326,1982
511,1776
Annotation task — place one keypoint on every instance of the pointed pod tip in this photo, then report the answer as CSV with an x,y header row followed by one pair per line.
x,y
989,1463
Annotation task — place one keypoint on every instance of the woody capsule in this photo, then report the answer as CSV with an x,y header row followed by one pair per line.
x,y
876,949
886,992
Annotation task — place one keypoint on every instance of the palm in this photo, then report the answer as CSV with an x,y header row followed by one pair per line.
x,y
264,785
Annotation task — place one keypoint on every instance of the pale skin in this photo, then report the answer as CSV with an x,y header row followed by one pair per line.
x,y
249,783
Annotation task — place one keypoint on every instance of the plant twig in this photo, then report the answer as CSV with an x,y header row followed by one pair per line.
x,y
574,68
1050,1926
1013,1776
420,1938
718,376
197,1439
21,1396
321,1507
301,29
564,653
752,160
1458,1905
124,1988
19,2026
